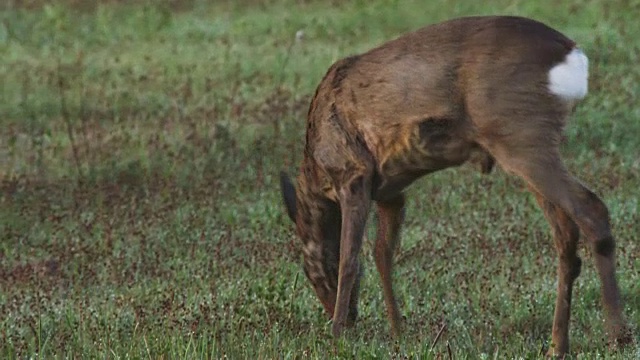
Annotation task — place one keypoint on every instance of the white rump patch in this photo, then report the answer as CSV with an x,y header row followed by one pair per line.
x,y
569,79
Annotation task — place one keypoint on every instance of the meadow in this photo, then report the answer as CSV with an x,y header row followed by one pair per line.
x,y
140,213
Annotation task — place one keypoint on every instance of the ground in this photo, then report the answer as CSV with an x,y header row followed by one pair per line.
x,y
140,214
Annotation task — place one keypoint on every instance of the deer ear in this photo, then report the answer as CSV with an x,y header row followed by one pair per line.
x,y
288,195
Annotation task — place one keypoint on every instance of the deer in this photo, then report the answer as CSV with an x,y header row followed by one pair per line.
x,y
485,89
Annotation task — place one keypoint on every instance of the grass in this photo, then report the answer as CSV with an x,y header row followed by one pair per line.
x,y
139,208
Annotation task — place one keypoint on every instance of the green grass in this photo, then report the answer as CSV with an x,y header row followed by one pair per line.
x,y
140,214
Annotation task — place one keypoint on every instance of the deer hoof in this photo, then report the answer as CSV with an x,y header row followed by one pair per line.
x,y
623,338
337,329
553,355
556,353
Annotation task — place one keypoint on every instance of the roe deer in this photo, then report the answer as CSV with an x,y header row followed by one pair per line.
x,y
498,88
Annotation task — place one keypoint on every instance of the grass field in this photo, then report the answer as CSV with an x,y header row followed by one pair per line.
x,y
140,215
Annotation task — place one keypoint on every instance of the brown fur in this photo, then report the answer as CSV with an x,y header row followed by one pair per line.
x,y
469,88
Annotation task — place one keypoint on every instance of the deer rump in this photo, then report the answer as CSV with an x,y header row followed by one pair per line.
x,y
487,89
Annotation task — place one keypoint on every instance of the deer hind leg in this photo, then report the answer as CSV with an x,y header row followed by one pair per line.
x,y
390,216
565,236
538,163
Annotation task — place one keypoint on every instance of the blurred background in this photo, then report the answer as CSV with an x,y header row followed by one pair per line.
x,y
140,215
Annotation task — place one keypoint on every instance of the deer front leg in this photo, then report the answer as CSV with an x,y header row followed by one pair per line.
x,y
565,236
355,201
355,295
390,216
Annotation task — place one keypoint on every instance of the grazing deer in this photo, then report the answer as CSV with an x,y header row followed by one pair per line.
x,y
495,88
